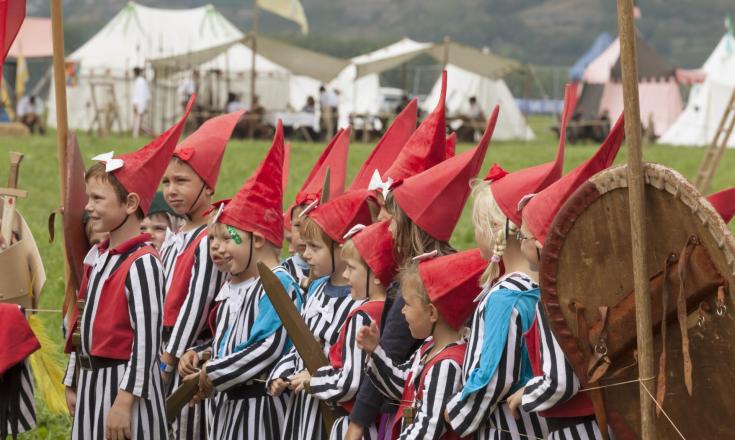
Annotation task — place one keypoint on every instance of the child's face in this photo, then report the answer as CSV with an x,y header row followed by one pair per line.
x,y
235,255
105,210
418,314
182,188
215,234
297,243
319,257
357,275
530,247
156,225
383,214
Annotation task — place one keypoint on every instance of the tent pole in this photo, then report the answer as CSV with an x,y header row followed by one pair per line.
x,y
636,191
252,66
62,127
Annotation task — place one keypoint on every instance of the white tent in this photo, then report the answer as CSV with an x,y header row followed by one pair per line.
x,y
463,84
700,119
136,35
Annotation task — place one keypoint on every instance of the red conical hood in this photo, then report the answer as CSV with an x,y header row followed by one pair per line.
x,y
258,206
204,149
509,190
541,210
451,145
375,245
453,295
12,14
427,145
334,158
339,215
389,146
724,203
434,198
141,171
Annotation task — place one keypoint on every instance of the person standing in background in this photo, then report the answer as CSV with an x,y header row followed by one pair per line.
x,y
141,96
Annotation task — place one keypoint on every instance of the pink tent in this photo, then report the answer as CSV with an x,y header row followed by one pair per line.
x,y
34,39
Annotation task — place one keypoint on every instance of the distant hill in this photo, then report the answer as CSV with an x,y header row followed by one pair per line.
x,y
542,32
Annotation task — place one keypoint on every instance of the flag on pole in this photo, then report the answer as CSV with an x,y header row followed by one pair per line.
x,y
21,75
12,13
288,9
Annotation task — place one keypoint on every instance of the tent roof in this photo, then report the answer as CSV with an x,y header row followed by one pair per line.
x,y
140,33
601,43
34,39
389,56
239,58
651,65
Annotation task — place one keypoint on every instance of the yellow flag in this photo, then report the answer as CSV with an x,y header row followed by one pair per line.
x,y
5,99
288,9
21,75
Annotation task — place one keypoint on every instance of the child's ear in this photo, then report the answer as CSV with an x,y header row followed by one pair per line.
x,y
377,282
258,240
538,244
208,191
433,313
132,203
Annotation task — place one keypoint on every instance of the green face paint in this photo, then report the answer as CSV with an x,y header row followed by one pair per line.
x,y
233,233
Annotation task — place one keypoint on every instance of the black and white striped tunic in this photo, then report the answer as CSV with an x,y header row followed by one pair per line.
x,y
339,385
326,309
171,248
255,417
26,415
484,413
140,376
297,267
191,327
442,380
558,384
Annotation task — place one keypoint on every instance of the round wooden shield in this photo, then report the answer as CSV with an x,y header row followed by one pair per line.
x,y
587,264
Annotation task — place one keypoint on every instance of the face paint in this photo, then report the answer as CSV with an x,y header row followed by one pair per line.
x,y
233,233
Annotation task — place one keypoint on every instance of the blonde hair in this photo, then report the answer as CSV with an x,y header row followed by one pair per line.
x,y
310,230
485,214
349,250
411,279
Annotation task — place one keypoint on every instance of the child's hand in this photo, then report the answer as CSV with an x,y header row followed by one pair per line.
x,y
514,401
71,400
189,363
277,387
118,419
298,380
206,387
368,338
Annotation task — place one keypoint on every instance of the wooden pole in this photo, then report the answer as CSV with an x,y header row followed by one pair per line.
x,y
62,128
628,61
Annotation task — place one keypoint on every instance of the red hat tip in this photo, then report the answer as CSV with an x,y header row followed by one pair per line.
x,y
724,203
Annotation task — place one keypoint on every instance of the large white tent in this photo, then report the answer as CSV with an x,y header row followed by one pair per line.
x,y
697,124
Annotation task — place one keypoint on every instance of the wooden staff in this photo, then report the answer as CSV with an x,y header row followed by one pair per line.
x,y
628,63
62,128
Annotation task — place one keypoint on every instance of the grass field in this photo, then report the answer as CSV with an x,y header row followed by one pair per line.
x,y
38,175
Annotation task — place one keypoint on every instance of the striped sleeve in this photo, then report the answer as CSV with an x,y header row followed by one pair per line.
x,y
341,384
467,415
241,366
285,367
440,383
387,377
203,286
69,374
144,287
558,382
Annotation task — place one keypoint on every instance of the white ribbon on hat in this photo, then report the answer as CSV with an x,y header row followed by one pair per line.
x,y
111,164
354,230
524,201
377,183
309,208
425,256
219,212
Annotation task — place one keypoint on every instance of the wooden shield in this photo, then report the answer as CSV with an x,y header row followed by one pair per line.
x,y
75,199
587,264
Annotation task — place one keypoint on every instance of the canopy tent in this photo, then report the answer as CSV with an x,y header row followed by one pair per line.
x,y
658,88
100,77
34,39
463,84
601,43
697,124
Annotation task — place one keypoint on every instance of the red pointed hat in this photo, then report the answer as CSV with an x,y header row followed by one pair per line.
x,y
375,245
542,208
258,206
141,171
434,198
16,337
204,149
334,158
427,145
453,296
389,146
510,189
451,145
12,14
724,203
339,215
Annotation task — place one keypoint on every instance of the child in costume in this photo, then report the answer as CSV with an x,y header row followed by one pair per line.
x,y
192,281
497,360
333,160
552,391
436,307
328,303
249,336
119,393
370,266
159,222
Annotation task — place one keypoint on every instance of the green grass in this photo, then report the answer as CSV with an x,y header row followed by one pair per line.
x,y
39,175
